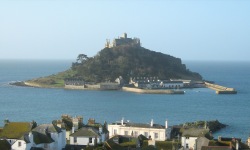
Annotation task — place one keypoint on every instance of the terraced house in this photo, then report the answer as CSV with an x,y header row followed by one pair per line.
x,y
154,131
29,136
17,135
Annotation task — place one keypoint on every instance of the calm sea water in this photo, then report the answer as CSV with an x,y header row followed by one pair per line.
x,y
45,105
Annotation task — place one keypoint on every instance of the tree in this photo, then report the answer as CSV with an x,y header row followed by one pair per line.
x,y
81,58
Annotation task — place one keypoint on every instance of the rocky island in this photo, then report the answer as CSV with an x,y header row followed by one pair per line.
x,y
123,63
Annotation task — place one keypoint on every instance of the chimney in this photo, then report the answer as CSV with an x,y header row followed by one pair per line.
x,y
73,129
219,138
237,145
100,129
122,121
152,123
166,124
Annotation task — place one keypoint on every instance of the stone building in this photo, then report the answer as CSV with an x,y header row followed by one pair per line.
x,y
123,40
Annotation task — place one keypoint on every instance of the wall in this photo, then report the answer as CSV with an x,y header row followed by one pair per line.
x,y
83,141
24,145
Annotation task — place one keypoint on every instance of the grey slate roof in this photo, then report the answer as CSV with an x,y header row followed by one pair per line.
x,y
49,127
86,132
25,137
41,133
194,132
142,125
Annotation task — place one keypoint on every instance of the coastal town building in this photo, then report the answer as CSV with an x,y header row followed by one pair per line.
x,y
86,136
26,136
17,134
49,137
123,40
194,138
89,135
68,122
155,83
154,131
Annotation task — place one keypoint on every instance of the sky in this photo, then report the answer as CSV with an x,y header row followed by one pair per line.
x,y
210,30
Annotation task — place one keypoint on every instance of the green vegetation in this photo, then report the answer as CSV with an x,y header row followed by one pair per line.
x,y
129,61
56,80
110,63
213,125
15,130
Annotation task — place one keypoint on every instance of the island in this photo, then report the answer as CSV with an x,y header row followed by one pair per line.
x,y
124,64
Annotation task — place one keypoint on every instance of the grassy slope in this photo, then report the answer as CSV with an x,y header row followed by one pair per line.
x,y
52,81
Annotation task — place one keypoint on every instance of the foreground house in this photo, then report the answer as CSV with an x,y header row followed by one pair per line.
x,y
17,134
194,138
86,136
154,131
49,137
90,134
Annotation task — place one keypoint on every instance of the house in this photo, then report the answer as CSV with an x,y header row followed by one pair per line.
x,y
67,122
49,137
155,131
86,136
192,136
103,129
17,134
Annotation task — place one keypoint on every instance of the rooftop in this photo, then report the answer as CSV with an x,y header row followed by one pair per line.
x,y
86,131
15,130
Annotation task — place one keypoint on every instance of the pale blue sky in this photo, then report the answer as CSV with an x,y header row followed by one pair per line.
x,y
187,29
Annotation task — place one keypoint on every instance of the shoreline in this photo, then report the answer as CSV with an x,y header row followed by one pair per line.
x,y
218,89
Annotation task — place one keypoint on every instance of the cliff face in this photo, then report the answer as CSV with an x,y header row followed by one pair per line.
x,y
131,61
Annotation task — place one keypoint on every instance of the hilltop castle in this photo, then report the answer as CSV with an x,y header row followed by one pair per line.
x,y
123,40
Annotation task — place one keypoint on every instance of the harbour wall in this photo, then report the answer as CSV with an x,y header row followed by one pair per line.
x,y
101,86
148,91
220,89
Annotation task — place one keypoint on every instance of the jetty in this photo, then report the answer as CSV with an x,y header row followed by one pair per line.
x,y
149,91
220,89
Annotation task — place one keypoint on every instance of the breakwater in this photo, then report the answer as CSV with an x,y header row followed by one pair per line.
x,y
148,91
220,89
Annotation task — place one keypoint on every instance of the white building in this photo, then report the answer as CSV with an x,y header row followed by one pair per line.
x,y
190,136
155,131
49,137
86,136
17,134
21,136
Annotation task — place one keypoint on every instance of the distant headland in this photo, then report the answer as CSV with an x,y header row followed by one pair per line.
x,y
125,64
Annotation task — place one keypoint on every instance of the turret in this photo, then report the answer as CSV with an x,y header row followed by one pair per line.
x,y
124,35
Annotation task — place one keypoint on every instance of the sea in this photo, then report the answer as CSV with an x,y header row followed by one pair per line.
x,y
46,104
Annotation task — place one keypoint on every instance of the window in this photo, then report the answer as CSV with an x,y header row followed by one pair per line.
x,y
125,132
75,139
19,144
146,134
186,145
90,140
115,131
156,135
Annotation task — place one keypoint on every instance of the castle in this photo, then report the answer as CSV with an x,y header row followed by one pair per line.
x,y
123,40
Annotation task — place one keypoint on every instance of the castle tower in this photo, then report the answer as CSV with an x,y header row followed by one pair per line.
x,y
124,35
